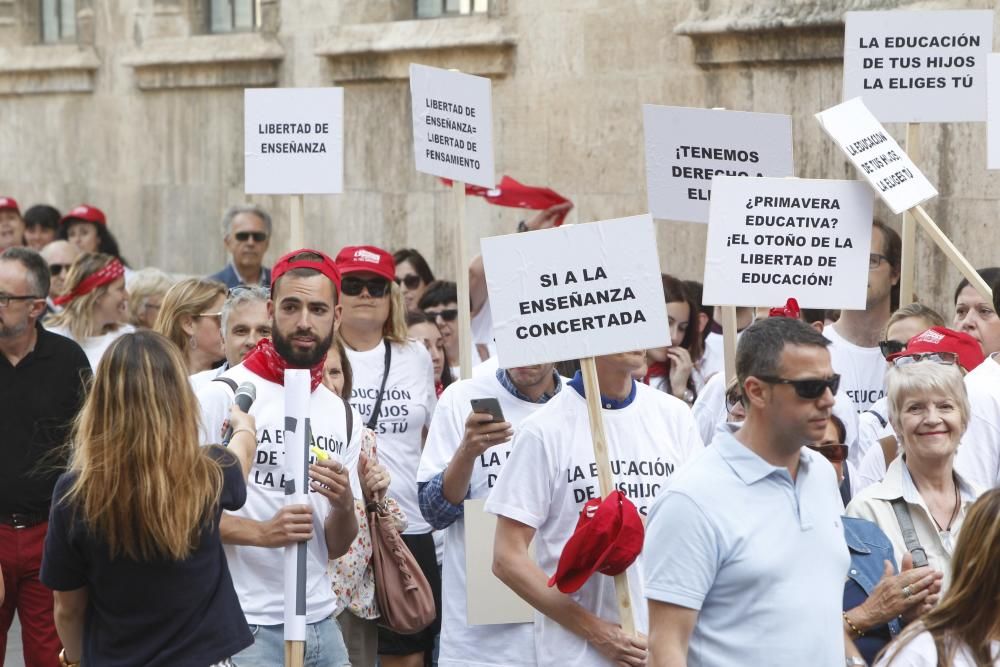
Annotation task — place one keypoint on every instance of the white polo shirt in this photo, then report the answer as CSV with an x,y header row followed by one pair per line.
x,y
762,558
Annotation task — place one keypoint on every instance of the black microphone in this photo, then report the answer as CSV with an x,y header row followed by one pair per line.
x,y
246,393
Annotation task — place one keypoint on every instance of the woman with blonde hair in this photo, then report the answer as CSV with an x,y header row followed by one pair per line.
x,y
394,394
133,551
95,304
964,629
191,317
146,289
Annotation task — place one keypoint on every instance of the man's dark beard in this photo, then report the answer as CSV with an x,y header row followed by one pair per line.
x,y
300,359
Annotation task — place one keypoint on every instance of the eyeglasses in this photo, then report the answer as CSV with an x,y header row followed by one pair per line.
x,y
56,269
5,299
449,315
410,281
947,358
808,388
832,453
377,287
891,347
733,398
243,237
874,259
215,315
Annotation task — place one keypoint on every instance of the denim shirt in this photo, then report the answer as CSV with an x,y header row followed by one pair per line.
x,y
869,547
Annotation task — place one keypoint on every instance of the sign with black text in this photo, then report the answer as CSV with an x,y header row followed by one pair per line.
x,y
293,141
919,66
873,151
686,147
452,125
770,239
575,291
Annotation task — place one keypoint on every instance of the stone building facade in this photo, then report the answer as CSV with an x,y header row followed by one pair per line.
x,y
137,109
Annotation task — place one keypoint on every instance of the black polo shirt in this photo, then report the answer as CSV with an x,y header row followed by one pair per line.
x,y
38,400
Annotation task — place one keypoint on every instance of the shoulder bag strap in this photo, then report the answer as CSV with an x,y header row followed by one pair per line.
x,y
349,418
385,376
905,522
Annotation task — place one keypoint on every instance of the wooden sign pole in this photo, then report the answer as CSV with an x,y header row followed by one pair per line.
x,y
729,333
295,654
953,253
909,227
296,238
605,479
464,323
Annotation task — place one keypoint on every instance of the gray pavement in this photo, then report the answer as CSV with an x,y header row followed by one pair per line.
x,y
14,656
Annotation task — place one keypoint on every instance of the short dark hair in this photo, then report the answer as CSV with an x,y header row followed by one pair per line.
x,y
42,215
418,262
893,254
810,315
39,277
991,275
758,353
438,293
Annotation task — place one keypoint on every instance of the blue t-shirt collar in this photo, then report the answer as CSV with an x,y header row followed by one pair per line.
x,y
606,403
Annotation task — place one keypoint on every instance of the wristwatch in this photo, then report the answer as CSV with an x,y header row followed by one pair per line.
x,y
64,662
855,661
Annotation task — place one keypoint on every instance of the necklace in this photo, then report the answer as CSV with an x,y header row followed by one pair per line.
x,y
954,512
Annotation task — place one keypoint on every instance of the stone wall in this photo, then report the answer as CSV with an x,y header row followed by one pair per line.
x,y
143,115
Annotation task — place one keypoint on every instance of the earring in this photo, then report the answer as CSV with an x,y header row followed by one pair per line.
x,y
192,343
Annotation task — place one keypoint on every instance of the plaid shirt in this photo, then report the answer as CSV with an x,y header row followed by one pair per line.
x,y
437,510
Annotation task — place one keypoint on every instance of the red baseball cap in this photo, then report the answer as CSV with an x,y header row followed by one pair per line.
x,y
324,265
9,204
940,339
790,309
355,258
86,213
608,538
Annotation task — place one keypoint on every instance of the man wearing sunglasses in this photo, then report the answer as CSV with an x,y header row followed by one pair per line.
x,y
59,255
745,546
247,235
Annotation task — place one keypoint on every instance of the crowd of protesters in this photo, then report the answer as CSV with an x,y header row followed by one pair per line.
x,y
829,505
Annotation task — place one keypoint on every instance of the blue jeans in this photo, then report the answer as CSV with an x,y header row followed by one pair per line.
x,y
324,646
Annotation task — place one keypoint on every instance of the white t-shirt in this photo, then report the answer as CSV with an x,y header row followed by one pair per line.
x,y
463,645
872,468
258,572
551,473
978,457
712,362
862,369
95,346
407,406
922,652
201,378
486,368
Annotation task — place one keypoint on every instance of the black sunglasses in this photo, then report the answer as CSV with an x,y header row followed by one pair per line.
x,y
56,269
832,453
733,398
449,315
891,347
377,287
243,237
410,281
808,388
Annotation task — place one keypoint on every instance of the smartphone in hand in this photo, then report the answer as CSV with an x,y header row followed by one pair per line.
x,y
488,406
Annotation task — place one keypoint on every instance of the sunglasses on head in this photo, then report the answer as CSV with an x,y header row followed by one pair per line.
x,y
449,315
832,453
891,347
56,269
410,281
947,358
808,388
353,286
243,237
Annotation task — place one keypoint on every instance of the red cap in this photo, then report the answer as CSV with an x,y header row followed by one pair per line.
x,y
87,213
791,309
324,265
608,538
355,258
9,204
940,339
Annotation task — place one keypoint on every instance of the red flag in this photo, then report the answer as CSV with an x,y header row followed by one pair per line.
x,y
517,195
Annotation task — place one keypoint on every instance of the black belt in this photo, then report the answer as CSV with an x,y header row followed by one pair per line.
x,y
23,520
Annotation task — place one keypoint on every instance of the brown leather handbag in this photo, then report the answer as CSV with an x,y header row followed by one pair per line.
x,y
404,596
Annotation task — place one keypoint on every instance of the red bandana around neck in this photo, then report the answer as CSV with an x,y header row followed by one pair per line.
x,y
265,361
656,369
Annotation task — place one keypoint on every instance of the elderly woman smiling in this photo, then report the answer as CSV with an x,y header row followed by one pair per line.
x,y
929,410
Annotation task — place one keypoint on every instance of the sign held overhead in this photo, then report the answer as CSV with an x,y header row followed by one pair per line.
x,y
452,125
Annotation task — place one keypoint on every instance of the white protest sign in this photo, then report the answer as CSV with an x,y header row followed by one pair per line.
x,y
993,112
774,238
919,66
452,125
878,157
574,292
293,141
686,147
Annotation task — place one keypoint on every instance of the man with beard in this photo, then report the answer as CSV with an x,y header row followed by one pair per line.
x,y
302,307
42,384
